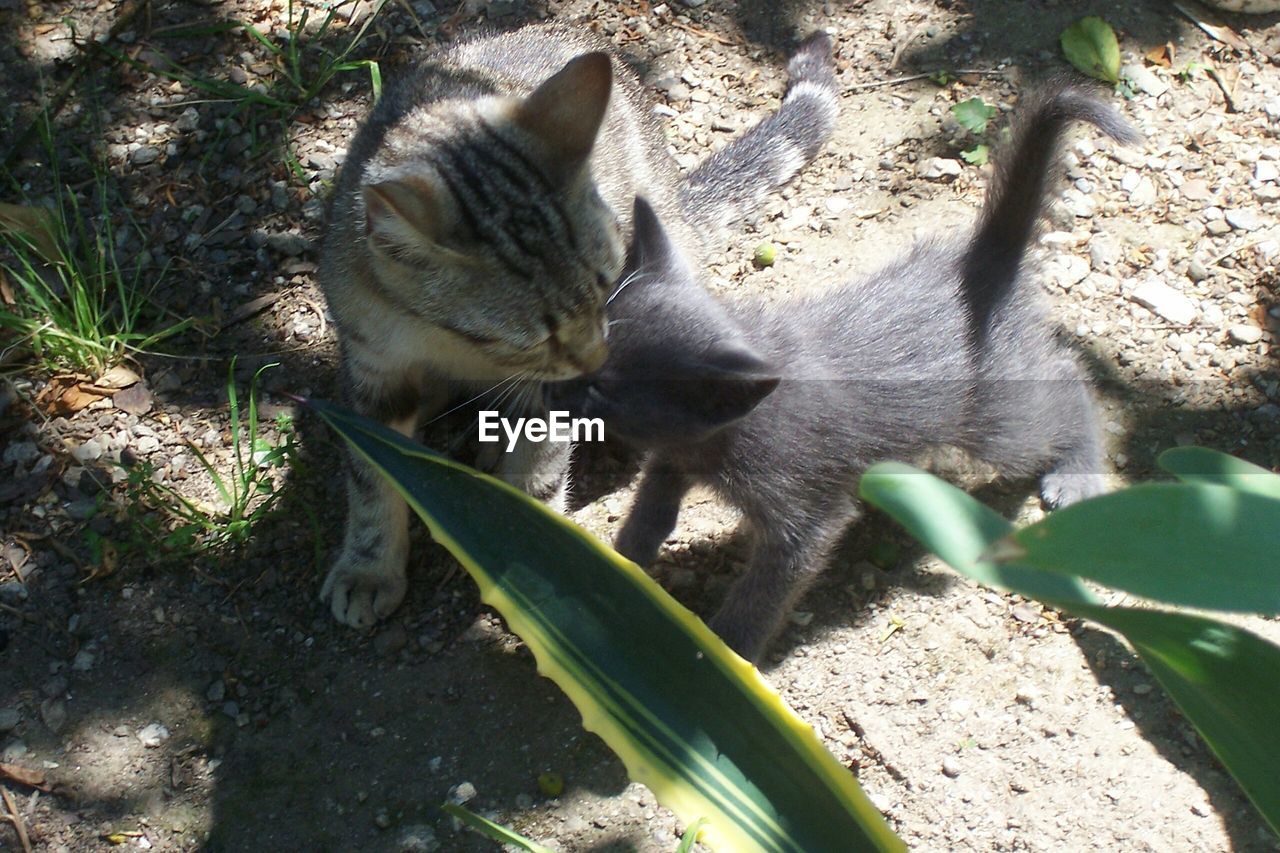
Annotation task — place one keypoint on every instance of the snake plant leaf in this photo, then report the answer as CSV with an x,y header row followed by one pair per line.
x,y
690,719
1090,45
1226,680
1202,465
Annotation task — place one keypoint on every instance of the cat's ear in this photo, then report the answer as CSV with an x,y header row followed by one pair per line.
x,y
733,380
565,112
403,212
651,248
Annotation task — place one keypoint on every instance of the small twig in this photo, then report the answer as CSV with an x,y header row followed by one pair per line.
x,y
922,76
903,45
324,324
253,306
15,817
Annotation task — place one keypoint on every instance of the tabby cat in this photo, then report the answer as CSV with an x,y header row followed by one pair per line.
x,y
478,226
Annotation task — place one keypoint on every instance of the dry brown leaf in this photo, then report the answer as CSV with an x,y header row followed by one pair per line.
x,y
1161,55
6,290
34,224
117,377
27,776
68,393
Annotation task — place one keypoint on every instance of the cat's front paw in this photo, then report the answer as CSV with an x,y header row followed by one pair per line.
x,y
1059,489
361,593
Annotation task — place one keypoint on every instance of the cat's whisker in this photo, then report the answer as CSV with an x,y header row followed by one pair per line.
x,y
490,389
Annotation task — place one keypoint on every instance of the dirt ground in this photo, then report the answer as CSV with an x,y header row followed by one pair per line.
x,y
214,704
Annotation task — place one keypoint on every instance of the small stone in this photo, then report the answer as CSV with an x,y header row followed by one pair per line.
x,y
391,640
936,168
136,399
13,751
1145,79
462,793
1196,271
1194,190
1243,218
1218,227
231,709
417,838
1067,271
1144,194
83,661
144,155
1266,171
153,735
950,767
53,712
89,451
21,453
9,719
1165,301
217,691
1201,809
382,820
1142,688
1245,334
1103,252
1078,204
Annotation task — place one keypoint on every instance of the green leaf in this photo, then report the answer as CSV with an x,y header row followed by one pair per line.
x,y
959,530
976,156
974,114
691,720
1202,465
1090,45
1193,544
1225,680
496,831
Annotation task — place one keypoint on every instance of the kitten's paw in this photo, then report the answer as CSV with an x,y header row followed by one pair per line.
x,y
360,593
748,640
1059,489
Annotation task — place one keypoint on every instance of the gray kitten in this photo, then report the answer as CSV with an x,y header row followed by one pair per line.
x,y
477,227
780,409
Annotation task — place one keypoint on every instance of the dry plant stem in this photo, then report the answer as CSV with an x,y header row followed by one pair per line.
x,y
877,84
15,818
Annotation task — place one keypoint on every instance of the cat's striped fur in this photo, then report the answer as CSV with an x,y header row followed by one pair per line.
x,y
478,225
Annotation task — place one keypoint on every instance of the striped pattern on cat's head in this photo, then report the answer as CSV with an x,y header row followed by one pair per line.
x,y
481,218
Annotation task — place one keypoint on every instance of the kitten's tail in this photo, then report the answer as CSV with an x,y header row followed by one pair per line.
x,y
1016,195
730,183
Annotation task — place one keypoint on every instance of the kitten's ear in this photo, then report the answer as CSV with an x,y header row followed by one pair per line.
x,y
734,381
651,248
403,212
565,113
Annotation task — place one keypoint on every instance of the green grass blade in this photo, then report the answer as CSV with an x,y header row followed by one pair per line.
x,y
496,831
1202,465
1192,544
691,836
959,530
689,719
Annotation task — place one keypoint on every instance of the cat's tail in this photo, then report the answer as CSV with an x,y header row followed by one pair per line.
x,y
730,183
1016,195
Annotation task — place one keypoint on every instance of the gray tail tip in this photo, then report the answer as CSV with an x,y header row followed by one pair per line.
x,y
813,57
